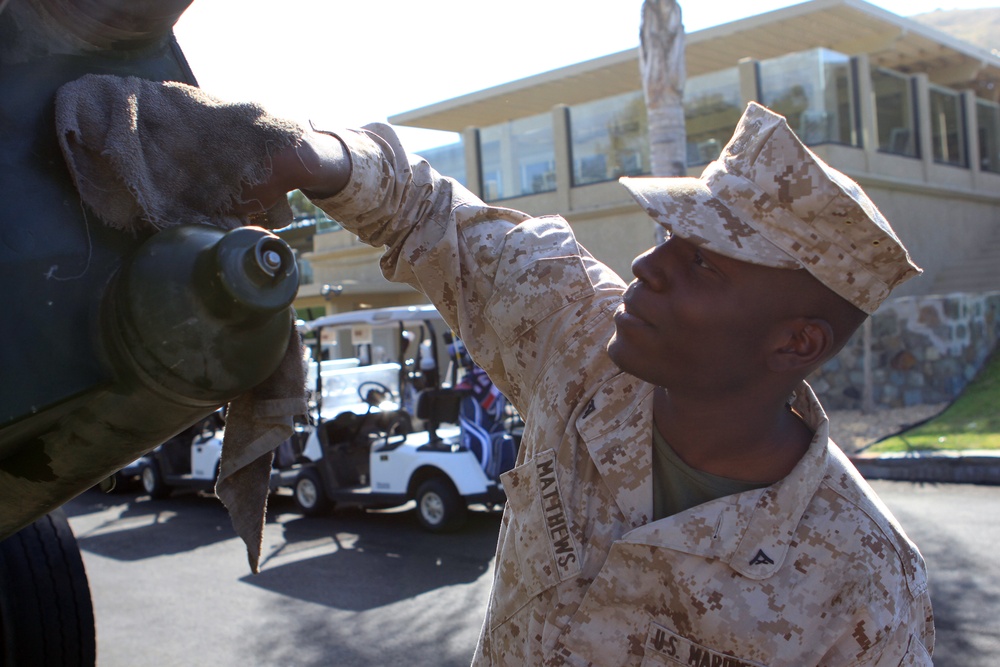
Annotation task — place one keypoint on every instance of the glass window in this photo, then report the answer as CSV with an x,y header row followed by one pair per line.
x,y
306,274
609,138
311,313
814,90
307,214
325,224
712,108
947,129
895,119
518,157
447,160
988,117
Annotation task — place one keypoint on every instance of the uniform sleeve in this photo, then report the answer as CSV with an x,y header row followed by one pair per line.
x,y
509,284
908,643
912,642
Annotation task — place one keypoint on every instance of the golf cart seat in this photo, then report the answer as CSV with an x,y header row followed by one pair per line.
x,y
486,433
353,430
439,406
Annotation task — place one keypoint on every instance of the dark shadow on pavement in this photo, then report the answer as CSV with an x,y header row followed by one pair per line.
x,y
148,528
391,547
960,590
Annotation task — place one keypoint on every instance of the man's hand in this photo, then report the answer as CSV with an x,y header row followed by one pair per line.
x,y
320,166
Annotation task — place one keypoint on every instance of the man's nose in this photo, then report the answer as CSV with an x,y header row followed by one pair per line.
x,y
650,267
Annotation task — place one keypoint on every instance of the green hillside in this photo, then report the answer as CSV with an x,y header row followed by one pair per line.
x,y
971,422
978,26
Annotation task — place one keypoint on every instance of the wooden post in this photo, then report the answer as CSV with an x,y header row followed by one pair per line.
x,y
868,393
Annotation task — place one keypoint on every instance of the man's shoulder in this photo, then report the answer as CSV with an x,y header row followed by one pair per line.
x,y
848,519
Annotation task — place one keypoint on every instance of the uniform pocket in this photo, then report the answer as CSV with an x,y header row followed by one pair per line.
x,y
535,291
539,551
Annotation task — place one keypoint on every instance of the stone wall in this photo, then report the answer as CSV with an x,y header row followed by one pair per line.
x,y
920,349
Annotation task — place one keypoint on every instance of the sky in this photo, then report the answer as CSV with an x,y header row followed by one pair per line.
x,y
343,64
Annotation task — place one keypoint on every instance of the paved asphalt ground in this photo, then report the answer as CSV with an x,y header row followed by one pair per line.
x,y
957,527
171,585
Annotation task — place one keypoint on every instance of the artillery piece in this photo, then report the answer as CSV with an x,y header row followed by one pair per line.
x,y
111,343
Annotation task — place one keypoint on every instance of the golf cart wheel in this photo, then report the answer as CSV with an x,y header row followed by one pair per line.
x,y
152,480
439,507
46,614
310,498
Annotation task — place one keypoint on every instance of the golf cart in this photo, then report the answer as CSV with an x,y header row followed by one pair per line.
x,y
190,459
384,426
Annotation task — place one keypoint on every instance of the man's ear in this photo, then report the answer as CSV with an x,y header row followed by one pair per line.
x,y
801,344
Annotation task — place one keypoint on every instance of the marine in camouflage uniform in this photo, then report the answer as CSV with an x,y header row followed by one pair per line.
x,y
810,569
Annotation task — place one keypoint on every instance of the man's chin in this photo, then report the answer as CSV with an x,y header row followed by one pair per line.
x,y
615,352
640,367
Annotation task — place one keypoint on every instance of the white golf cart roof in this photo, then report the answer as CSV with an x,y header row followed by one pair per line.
x,y
372,316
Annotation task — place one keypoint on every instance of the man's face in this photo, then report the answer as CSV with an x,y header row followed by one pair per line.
x,y
696,321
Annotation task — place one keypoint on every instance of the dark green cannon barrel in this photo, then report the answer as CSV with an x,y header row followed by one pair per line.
x,y
195,317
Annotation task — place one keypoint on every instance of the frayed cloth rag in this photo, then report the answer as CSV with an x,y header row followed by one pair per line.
x,y
146,155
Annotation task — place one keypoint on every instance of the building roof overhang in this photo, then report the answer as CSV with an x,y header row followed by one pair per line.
x,y
851,27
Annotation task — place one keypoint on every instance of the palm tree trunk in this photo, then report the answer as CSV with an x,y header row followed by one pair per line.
x,y
661,63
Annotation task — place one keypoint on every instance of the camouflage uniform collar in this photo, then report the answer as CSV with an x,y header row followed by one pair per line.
x,y
750,531
778,511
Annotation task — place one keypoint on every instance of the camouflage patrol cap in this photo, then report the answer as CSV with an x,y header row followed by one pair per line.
x,y
769,200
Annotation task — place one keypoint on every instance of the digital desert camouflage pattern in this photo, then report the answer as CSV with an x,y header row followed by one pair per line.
x,y
810,571
769,200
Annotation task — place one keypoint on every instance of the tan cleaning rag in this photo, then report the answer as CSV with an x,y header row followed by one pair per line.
x,y
146,155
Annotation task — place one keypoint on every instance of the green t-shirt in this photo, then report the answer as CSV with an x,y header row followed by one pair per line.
x,y
677,486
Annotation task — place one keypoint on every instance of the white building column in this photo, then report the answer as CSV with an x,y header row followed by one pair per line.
x,y
473,165
563,154
868,121
925,135
970,121
749,75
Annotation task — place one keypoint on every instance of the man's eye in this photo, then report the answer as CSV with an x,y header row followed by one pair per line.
x,y
700,261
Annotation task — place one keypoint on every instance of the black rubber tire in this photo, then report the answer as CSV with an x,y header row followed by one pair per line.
x,y
152,480
309,494
46,613
439,507
124,484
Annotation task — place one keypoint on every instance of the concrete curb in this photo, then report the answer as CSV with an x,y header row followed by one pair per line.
x,y
968,467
